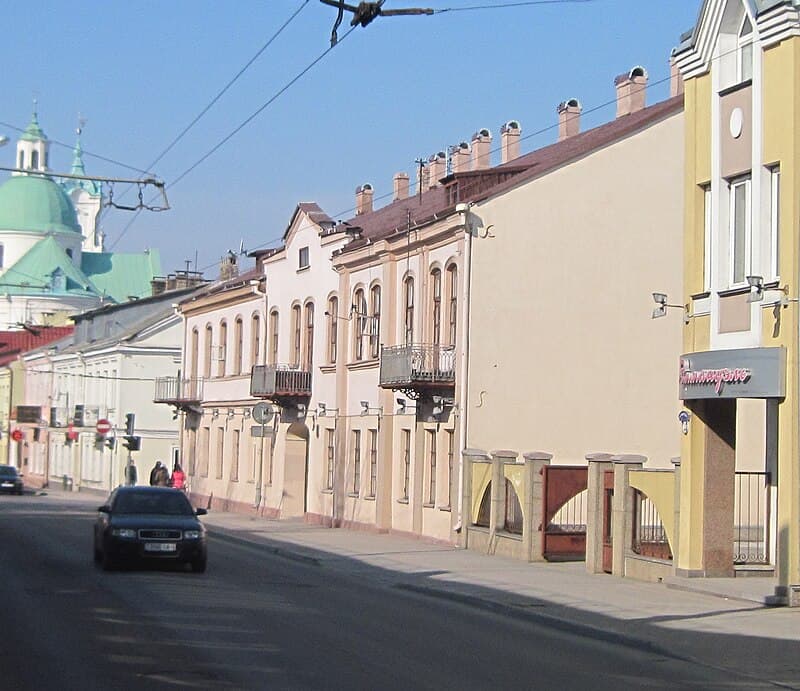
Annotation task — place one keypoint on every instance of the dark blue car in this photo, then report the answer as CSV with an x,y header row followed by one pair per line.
x,y
10,480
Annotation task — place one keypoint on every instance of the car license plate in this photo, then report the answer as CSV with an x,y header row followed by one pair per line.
x,y
8,484
159,546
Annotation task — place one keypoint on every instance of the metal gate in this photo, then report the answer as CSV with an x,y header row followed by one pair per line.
x,y
565,508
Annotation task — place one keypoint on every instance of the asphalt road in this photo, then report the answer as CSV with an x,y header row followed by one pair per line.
x,y
257,620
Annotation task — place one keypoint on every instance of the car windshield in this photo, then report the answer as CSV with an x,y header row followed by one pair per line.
x,y
169,503
8,471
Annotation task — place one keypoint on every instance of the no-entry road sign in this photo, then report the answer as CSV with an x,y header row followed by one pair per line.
x,y
103,426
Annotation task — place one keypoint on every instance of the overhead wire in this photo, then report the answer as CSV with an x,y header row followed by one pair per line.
x,y
506,5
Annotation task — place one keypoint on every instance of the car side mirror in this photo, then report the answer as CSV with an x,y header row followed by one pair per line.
x,y
20,474
200,512
105,508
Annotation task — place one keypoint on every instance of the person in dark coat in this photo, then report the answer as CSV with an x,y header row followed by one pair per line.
x,y
159,475
131,474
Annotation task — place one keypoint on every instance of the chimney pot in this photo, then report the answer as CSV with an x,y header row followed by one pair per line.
x,y
400,186
363,199
569,118
509,141
631,88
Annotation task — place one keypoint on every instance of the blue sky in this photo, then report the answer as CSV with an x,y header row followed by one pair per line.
x,y
401,88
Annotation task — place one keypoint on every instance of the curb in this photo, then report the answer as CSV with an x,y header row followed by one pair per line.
x,y
263,544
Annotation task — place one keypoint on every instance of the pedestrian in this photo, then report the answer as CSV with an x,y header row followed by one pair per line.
x,y
162,476
131,474
155,472
178,479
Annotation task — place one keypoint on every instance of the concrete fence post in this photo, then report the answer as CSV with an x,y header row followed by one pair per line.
x,y
498,515
676,534
533,510
622,509
599,463
469,456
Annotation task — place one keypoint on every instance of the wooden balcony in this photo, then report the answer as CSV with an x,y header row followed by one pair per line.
x,y
183,393
280,383
417,367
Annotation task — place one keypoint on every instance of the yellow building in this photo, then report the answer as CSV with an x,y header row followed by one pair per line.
x,y
740,470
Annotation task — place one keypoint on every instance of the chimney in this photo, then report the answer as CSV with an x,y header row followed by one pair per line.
x,y
437,168
631,91
569,118
675,77
459,157
158,285
509,141
363,199
481,149
400,186
228,267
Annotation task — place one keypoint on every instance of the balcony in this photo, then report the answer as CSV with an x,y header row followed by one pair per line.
x,y
417,367
182,393
280,383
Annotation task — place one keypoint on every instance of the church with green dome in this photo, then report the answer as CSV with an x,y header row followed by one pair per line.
x,y
53,263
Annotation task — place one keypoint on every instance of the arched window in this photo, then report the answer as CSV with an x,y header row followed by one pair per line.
x,y
309,354
238,345
273,334
375,321
222,349
255,339
408,290
194,350
34,160
21,159
452,293
436,306
207,351
360,309
333,328
296,330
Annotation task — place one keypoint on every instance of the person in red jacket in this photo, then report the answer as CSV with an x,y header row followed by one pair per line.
x,y
178,479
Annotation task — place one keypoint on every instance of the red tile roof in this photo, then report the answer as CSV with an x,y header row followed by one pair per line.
x,y
13,343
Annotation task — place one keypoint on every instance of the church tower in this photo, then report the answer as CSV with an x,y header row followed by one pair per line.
x,y
33,148
87,197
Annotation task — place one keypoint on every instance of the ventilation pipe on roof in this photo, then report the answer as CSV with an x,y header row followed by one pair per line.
x,y
509,141
569,118
631,88
481,149
400,184
363,199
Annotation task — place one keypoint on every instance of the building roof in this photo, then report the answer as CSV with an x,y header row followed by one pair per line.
x,y
478,185
12,343
33,273
34,203
121,276
33,132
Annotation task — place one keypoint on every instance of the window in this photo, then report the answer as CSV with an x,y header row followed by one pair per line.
x,y
255,339
21,159
451,458
207,348
220,450
194,350
432,467
34,160
1,256
205,450
330,440
744,53
309,358
303,258
296,329
436,306
360,309
774,220
235,456
273,331
452,290
373,462
333,328
237,345
356,461
406,436
707,238
375,321
223,343
408,290
740,240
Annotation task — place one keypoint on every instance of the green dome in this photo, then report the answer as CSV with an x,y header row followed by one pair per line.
x,y
36,203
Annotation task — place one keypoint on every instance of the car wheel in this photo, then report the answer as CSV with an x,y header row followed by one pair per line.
x,y
199,565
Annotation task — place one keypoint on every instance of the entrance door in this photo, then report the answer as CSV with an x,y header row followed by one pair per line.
x,y
295,472
608,524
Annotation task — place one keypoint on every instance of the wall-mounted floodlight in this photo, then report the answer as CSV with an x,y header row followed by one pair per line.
x,y
215,413
246,414
365,407
662,304
3,140
401,406
301,409
756,284
321,409
231,413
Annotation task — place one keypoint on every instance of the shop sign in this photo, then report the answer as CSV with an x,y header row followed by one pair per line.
x,y
737,373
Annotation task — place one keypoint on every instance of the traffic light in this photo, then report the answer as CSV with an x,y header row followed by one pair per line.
x,y
129,422
132,443
111,442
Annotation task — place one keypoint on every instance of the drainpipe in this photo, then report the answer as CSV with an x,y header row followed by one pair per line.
x,y
464,210
260,474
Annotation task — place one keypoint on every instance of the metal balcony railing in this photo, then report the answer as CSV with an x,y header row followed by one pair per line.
x,y
279,381
175,390
417,364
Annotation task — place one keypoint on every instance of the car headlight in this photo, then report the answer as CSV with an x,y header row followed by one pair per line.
x,y
124,532
191,534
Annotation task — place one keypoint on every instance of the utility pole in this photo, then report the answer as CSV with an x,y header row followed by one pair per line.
x,y
365,12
